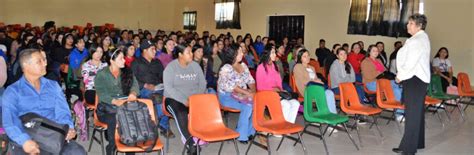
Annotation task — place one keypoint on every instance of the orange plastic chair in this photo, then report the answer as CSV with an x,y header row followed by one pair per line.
x,y
294,88
124,148
163,108
336,96
464,89
317,67
205,122
276,125
386,99
351,105
98,127
433,102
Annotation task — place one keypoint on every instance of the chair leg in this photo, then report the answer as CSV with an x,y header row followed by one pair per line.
x,y
186,144
268,144
168,142
220,148
91,140
250,145
350,137
358,134
197,147
236,147
377,126
102,142
301,141
322,137
281,141
301,134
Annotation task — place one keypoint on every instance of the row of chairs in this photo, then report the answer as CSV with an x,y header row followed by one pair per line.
x,y
205,127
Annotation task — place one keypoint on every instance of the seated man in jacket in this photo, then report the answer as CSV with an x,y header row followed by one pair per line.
x,y
149,74
34,93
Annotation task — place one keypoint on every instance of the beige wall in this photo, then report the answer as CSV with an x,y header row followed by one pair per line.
x,y
450,23
130,14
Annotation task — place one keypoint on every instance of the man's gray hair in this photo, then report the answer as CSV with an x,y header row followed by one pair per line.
x,y
25,55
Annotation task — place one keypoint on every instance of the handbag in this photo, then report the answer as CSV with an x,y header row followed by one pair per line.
x,y
285,95
49,135
386,75
104,109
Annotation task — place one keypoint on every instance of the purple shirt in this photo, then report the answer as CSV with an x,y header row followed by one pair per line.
x,y
165,59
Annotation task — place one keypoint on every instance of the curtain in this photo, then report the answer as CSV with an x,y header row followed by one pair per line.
x,y
391,16
375,18
357,17
227,17
385,17
409,7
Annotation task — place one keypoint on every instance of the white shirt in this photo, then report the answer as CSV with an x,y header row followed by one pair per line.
x,y
312,74
442,64
413,59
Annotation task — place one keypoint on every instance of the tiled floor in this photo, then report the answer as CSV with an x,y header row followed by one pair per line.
x,y
454,138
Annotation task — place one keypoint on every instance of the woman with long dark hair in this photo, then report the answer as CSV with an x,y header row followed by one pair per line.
x,y
443,67
268,78
113,83
89,71
341,71
236,88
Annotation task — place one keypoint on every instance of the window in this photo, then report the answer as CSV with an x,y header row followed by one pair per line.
x,y
189,18
224,11
227,14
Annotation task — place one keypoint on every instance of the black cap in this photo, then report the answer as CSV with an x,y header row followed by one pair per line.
x,y
146,44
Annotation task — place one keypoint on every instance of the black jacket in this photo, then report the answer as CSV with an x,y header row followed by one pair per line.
x,y
147,72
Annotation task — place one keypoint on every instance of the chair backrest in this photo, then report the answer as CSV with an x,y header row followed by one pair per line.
x,y
329,81
204,113
293,84
435,88
271,101
349,96
464,85
149,105
314,93
384,92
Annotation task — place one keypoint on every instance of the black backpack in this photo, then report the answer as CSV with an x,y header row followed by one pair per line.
x,y
135,125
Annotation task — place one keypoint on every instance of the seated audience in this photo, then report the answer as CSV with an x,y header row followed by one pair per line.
x,y
167,55
89,71
236,88
206,65
355,57
112,84
341,71
372,68
34,93
149,74
305,74
443,67
182,78
268,78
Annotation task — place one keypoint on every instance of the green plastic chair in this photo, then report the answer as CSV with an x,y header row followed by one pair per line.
x,y
435,90
316,93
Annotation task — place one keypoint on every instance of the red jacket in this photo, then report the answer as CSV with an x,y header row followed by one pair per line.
x,y
355,60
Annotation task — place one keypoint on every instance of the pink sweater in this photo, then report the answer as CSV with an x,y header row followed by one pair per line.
x,y
268,80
